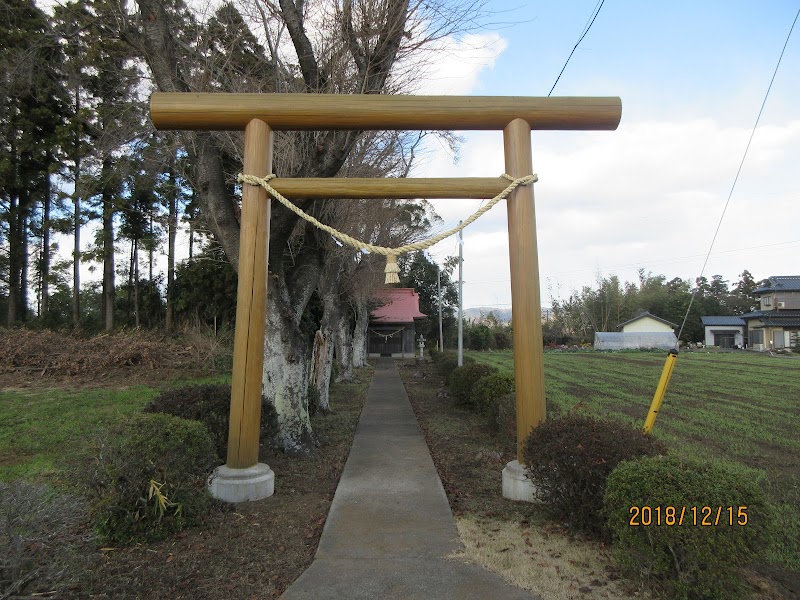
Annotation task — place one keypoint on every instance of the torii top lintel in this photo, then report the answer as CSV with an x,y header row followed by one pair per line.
x,y
353,111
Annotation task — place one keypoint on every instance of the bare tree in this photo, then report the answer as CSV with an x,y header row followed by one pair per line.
x,y
326,47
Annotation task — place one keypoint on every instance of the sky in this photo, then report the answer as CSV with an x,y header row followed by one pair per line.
x,y
691,77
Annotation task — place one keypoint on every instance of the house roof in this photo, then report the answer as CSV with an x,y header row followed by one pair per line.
x,y
774,318
398,305
721,321
644,314
780,283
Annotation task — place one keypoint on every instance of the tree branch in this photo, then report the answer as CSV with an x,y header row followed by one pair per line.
x,y
293,17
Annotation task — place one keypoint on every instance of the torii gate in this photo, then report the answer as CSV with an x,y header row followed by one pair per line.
x,y
243,477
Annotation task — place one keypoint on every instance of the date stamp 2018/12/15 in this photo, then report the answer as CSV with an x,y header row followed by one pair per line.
x,y
703,516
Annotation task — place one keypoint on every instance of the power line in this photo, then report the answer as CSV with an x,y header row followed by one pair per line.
x,y
739,170
580,39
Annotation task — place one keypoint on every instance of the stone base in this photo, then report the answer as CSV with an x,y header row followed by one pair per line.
x,y
242,485
516,485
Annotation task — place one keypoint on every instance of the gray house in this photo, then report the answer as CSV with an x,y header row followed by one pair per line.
x,y
776,324
724,331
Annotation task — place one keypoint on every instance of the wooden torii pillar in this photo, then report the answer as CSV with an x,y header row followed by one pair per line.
x,y
258,115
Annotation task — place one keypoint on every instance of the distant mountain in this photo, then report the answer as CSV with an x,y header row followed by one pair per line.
x,y
502,314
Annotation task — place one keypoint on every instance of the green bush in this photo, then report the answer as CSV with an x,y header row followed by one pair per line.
x,y
503,418
502,414
211,405
462,382
570,458
478,336
692,560
502,340
489,389
150,477
433,353
447,362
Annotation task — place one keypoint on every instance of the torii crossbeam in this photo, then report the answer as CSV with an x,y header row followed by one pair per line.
x,y
243,477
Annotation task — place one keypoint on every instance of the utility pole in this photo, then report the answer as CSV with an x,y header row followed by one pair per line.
x,y
439,290
460,296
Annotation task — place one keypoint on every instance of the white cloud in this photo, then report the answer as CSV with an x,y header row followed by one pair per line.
x,y
454,65
648,195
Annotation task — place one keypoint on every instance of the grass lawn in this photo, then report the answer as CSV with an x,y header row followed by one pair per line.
x,y
42,427
738,407
256,549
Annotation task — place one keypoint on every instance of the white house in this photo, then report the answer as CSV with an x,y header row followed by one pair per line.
x,y
644,322
644,331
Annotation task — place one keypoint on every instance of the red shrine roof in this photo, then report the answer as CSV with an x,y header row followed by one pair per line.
x,y
400,305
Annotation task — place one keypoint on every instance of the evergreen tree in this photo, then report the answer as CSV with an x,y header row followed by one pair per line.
x,y
419,272
31,111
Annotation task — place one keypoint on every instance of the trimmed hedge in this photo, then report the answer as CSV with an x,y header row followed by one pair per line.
x,y
570,458
462,382
489,389
502,415
447,362
150,477
696,559
211,405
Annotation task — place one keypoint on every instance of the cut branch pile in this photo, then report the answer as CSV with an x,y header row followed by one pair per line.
x,y
48,353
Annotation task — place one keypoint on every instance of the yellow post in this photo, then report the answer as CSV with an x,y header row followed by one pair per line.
x,y
248,344
661,390
526,312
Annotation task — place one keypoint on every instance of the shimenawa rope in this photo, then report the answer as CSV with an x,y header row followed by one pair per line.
x,y
391,254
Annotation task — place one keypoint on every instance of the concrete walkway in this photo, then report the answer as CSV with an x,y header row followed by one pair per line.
x,y
390,528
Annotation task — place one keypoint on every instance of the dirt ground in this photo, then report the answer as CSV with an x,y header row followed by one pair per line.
x,y
252,550
257,550
517,540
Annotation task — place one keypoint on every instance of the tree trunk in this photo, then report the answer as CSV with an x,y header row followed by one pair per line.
x,y
44,308
13,259
343,344
108,248
136,283
360,335
287,353
172,229
321,369
130,284
76,222
22,301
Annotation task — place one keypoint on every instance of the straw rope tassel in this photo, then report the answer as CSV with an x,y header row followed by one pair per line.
x,y
391,270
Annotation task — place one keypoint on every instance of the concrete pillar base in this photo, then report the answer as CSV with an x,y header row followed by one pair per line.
x,y
516,485
242,485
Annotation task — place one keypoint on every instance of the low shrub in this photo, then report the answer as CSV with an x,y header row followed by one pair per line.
x,y
447,362
211,405
502,415
695,559
570,458
503,418
150,477
462,382
489,389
